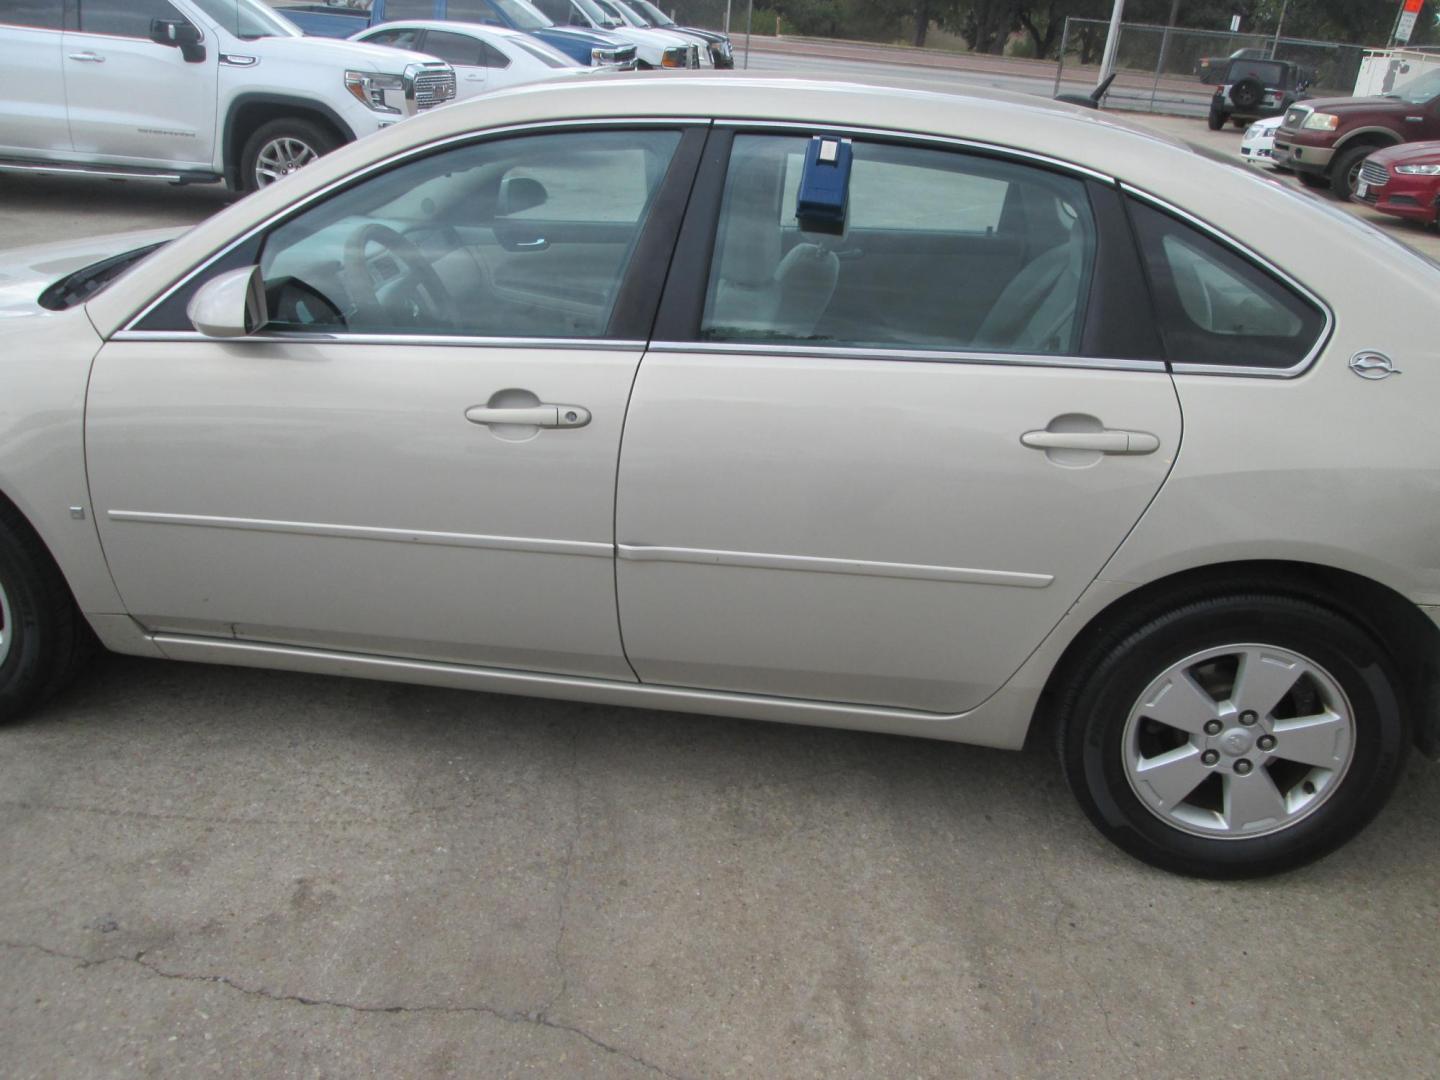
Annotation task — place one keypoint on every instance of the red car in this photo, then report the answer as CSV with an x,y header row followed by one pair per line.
x,y
1403,180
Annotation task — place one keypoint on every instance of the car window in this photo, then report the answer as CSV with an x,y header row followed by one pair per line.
x,y
1270,74
123,18
521,237
409,9
402,37
492,57
561,12
476,11
44,14
522,14
1215,307
454,48
941,250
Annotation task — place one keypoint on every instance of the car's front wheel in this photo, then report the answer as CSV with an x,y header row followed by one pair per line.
x,y
279,148
1235,736
43,637
1345,173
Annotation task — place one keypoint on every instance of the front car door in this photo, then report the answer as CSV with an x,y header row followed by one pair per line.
x,y
878,467
134,102
417,455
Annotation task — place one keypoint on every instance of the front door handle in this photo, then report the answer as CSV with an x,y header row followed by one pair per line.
x,y
1104,442
87,57
547,416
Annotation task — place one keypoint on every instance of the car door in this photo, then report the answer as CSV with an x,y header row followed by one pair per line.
x,y
32,93
405,461
878,467
132,101
473,60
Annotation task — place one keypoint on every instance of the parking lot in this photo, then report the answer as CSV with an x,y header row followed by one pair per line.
x,y
233,872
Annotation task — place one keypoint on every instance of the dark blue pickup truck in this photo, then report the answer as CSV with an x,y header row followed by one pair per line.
x,y
342,18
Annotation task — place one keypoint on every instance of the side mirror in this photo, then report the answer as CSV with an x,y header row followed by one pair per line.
x,y
179,34
519,193
231,305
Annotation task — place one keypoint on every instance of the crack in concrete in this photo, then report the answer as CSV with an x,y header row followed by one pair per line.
x,y
537,1019
208,819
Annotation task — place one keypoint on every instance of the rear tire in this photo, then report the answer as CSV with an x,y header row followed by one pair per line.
x,y
1297,758
1216,119
44,640
280,147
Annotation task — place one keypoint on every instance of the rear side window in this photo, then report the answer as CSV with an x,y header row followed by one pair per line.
x,y
942,250
399,38
43,14
476,11
1215,307
409,9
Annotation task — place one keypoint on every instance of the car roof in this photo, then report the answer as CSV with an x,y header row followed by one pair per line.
x,y
452,26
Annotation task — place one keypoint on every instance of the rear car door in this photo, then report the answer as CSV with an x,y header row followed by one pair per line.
x,y
32,93
132,101
405,461
878,467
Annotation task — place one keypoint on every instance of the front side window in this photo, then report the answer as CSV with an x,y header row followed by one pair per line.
x,y
409,9
523,237
941,250
123,18
1214,307
247,19
41,14
522,14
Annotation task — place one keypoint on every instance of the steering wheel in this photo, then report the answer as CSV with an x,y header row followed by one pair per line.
x,y
431,297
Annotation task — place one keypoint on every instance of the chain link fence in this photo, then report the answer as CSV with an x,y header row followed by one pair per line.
x,y
1169,69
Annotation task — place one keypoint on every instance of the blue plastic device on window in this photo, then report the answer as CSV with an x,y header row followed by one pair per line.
x,y
824,185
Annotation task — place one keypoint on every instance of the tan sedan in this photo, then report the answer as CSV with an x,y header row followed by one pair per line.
x,y
965,418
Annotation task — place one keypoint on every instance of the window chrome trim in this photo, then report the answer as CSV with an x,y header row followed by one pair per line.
x,y
996,149
400,156
933,356
454,340
1244,370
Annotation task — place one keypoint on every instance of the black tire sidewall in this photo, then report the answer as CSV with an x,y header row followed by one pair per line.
x,y
296,127
1347,160
23,671
1093,738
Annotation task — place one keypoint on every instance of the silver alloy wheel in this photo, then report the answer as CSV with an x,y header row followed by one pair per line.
x,y
1239,741
7,631
280,157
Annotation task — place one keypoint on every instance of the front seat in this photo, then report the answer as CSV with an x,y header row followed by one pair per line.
x,y
757,290
1036,311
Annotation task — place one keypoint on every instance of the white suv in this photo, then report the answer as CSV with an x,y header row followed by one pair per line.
x,y
192,90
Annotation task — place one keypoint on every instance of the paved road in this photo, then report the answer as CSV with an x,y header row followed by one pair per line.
x,y
213,871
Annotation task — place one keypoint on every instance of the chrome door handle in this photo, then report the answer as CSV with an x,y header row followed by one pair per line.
x,y
87,57
533,245
547,416
1104,442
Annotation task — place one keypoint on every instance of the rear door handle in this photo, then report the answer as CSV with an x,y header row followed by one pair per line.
x,y
1104,442
87,57
547,416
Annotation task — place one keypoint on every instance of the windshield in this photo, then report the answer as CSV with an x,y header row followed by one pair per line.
x,y
247,19
653,13
522,14
1418,91
597,15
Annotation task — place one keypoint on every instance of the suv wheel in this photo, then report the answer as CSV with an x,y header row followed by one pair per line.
x,y
1345,172
279,148
1216,119
1233,737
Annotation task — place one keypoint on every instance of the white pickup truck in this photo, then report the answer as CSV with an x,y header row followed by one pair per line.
x,y
191,91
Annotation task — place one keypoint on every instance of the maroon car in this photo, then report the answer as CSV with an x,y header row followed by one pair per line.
x,y
1404,181
1328,139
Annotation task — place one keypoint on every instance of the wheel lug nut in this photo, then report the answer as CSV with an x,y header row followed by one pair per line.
x,y
1213,727
1243,767
1210,757
1266,742
1248,717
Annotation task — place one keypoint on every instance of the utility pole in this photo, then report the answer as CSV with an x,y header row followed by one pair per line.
x,y
1112,42
1275,45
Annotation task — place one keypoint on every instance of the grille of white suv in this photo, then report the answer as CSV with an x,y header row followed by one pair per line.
x,y
434,88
